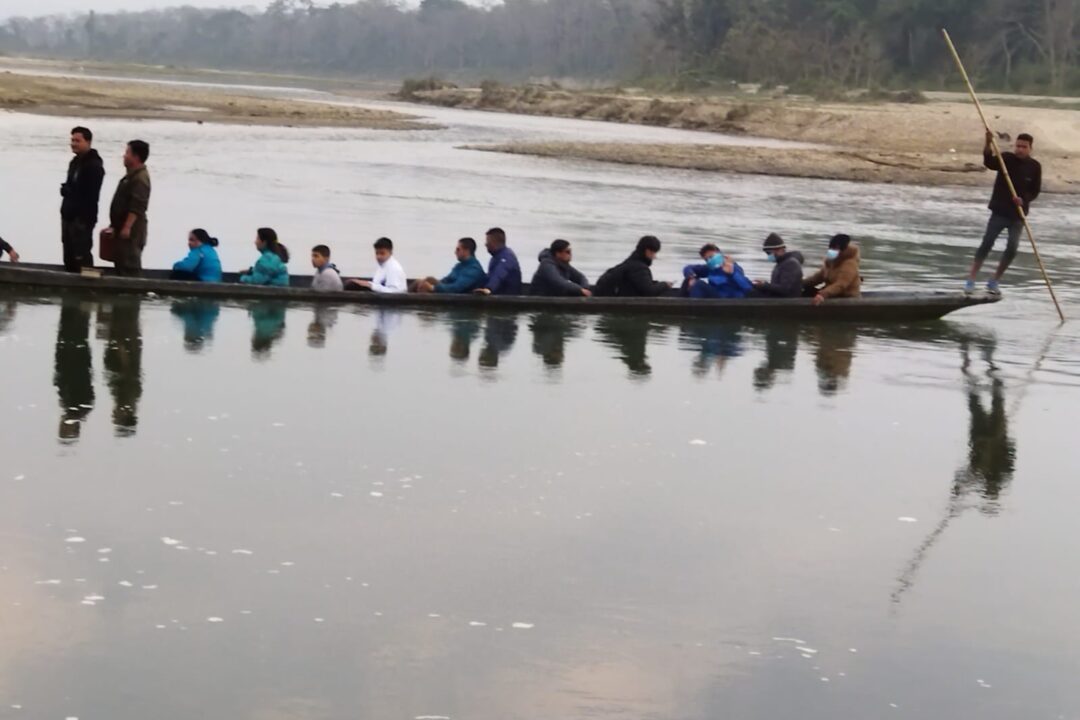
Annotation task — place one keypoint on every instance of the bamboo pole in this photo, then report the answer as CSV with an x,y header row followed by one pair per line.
x,y
1004,170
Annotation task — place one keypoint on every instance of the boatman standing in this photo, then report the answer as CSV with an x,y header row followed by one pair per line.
x,y
1026,174
127,214
79,209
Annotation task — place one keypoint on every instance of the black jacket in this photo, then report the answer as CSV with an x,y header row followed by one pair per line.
x,y
4,247
786,281
83,188
630,278
1026,175
556,279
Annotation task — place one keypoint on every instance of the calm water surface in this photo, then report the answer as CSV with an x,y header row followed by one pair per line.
x,y
269,511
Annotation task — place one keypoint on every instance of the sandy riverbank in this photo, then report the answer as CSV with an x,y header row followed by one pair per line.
x,y
92,98
932,143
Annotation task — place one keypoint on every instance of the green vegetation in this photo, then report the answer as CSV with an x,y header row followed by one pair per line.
x,y
819,47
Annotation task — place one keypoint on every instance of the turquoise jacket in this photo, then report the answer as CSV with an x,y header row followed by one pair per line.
x,y
202,262
467,275
269,270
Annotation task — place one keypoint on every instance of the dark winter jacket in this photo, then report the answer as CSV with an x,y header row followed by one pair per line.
x,y
630,278
82,190
4,247
556,279
504,273
1026,175
786,281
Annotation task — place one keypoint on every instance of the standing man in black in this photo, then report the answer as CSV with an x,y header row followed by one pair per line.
x,y
1026,174
79,210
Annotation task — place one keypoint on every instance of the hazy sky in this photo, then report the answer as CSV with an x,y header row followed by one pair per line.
x,y
9,8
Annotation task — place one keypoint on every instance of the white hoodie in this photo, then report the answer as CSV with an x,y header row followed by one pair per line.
x,y
390,278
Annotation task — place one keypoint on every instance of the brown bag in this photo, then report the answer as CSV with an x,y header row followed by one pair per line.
x,y
107,245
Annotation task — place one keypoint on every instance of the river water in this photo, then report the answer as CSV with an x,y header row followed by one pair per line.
x,y
269,511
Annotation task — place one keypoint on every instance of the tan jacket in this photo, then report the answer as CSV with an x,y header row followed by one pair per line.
x,y
840,276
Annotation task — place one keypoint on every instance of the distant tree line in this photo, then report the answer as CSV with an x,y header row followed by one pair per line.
x,y
1010,44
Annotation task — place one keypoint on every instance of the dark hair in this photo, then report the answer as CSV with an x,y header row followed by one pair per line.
x,y
85,132
204,237
270,239
649,242
321,250
707,248
140,149
1025,136
559,246
469,244
497,233
840,242
384,243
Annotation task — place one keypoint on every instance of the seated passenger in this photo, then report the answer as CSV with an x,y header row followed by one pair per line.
x,y
556,277
726,280
787,274
632,277
389,277
839,276
504,270
6,248
270,269
693,273
465,277
326,278
202,262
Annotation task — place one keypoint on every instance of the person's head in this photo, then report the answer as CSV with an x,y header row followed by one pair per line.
x,y
136,154
265,239
560,250
384,248
199,237
837,245
716,260
774,247
495,240
81,140
707,251
648,247
320,256
1022,146
465,249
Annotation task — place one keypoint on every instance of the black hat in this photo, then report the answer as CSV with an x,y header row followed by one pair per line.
x,y
773,242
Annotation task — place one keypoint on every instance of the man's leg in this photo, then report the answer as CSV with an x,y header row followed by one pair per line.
x,y
1010,250
994,227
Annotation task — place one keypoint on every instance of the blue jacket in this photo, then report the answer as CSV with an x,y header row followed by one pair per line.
x,y
269,270
202,262
700,271
721,285
467,275
504,273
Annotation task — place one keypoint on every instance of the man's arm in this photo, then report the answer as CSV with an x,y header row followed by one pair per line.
x,y
498,276
140,202
1036,186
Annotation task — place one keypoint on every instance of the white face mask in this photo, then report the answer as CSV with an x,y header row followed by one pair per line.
x,y
832,254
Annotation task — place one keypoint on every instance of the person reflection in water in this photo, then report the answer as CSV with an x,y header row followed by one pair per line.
x,y
716,343
835,352
630,338
321,322
386,322
781,349
199,318
464,329
268,319
73,370
123,363
991,452
550,333
500,334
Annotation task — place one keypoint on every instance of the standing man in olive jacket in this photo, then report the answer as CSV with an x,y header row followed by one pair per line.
x,y
1026,174
127,214
79,209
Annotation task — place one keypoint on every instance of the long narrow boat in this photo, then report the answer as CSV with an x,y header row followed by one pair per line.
x,y
871,307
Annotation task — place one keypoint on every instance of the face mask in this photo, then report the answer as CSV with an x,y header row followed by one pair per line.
x,y
832,254
715,261
772,258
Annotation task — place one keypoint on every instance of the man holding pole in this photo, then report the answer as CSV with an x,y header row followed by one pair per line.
x,y
1026,174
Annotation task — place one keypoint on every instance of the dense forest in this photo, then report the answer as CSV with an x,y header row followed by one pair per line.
x,y
1026,45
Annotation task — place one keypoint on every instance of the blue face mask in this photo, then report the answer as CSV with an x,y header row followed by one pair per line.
x,y
715,261
772,258
832,254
